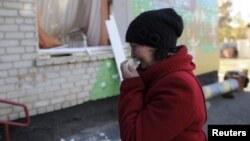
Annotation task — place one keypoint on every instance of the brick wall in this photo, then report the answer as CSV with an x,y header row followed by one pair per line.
x,y
50,84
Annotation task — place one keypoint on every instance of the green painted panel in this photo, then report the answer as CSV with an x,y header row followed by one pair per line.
x,y
107,80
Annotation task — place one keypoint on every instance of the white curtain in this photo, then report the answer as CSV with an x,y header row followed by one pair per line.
x,y
60,17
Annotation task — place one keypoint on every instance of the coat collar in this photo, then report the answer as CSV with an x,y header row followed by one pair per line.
x,y
180,61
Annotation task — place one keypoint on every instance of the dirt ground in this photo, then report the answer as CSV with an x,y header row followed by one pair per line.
x,y
63,123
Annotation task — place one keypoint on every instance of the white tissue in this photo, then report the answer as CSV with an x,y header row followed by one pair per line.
x,y
133,63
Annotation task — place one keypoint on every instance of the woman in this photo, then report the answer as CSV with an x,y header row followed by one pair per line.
x,y
161,100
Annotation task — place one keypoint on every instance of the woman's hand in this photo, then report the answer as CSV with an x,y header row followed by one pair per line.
x,y
128,71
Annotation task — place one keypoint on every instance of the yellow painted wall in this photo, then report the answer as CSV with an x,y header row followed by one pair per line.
x,y
206,62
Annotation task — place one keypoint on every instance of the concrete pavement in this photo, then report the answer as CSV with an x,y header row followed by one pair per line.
x,y
97,121
220,111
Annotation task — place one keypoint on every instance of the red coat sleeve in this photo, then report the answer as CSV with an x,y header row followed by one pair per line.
x,y
130,105
164,116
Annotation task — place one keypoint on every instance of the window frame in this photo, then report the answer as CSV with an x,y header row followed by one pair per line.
x,y
119,7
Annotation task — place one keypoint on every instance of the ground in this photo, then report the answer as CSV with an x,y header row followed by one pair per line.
x,y
97,121
67,122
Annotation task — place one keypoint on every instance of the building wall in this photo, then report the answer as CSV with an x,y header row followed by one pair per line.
x,y
45,83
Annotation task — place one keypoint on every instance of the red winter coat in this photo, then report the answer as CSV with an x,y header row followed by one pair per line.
x,y
165,103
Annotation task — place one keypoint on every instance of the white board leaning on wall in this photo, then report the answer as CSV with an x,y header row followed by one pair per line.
x,y
116,43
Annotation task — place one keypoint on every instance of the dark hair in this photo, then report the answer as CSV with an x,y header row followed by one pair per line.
x,y
163,53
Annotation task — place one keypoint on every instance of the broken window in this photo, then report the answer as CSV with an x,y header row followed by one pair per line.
x,y
72,23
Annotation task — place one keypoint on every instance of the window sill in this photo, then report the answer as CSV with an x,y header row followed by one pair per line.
x,y
69,58
49,59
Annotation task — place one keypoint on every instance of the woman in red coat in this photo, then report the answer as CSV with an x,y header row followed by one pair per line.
x,y
162,99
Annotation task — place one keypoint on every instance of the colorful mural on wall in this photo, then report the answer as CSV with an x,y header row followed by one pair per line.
x,y
107,80
200,33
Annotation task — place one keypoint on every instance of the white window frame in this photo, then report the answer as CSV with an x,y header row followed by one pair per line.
x,y
120,7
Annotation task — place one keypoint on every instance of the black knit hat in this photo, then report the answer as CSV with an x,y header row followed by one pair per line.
x,y
156,28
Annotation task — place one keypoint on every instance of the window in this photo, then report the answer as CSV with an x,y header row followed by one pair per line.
x,y
72,25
